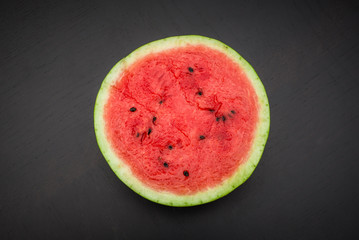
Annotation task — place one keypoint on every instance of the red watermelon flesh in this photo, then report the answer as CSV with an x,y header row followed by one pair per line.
x,y
182,119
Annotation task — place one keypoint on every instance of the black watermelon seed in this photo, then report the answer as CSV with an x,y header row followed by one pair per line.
x,y
170,147
138,134
185,172
154,119
165,164
133,109
160,102
200,93
232,111
149,131
223,118
211,110
202,137
190,69
217,119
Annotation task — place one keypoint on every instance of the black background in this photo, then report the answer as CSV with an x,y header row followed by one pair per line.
x,y
54,181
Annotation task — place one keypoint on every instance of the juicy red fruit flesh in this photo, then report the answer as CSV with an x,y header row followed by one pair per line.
x,y
194,120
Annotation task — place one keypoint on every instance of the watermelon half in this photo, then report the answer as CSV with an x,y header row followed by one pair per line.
x,y
182,121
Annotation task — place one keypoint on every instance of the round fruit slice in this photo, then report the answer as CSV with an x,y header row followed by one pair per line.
x,y
182,121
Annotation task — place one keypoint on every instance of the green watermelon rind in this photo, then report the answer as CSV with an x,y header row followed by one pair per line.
x,y
124,173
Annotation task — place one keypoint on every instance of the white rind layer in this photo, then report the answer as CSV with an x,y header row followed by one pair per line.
x,y
167,198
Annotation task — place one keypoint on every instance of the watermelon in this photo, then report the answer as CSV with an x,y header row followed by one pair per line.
x,y
183,120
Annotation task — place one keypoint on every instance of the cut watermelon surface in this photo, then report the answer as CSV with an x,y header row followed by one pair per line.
x,y
183,120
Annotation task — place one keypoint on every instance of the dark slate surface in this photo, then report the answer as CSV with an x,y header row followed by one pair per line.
x,y
54,181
